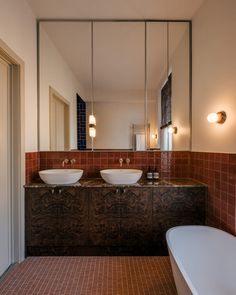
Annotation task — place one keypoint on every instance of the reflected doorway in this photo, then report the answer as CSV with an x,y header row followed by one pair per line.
x,y
59,121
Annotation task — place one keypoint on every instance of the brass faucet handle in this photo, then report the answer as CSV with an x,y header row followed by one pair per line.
x,y
73,161
121,162
65,161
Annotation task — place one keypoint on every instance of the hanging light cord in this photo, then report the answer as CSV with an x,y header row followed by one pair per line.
x,y
92,61
145,82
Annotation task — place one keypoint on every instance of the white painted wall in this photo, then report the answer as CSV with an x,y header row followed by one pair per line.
x,y
180,101
180,91
214,75
214,69
55,72
18,31
114,123
152,119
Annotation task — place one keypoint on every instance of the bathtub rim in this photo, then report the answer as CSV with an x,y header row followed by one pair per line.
x,y
177,260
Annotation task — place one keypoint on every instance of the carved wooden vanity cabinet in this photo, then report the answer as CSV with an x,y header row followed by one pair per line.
x,y
99,219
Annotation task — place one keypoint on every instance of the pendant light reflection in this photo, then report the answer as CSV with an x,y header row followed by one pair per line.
x,y
92,132
92,126
92,119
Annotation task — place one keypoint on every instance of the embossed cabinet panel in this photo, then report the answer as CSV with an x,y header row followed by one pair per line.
x,y
104,217
136,217
175,206
108,220
56,217
120,216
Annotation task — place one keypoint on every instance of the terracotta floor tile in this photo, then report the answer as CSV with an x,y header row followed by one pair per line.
x,y
90,276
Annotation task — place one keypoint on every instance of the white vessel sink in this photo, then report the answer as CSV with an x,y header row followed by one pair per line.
x,y
60,176
121,176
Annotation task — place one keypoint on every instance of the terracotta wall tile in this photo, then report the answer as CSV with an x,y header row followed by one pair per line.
x,y
168,164
32,165
217,170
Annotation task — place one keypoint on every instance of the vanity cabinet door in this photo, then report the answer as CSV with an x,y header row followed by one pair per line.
x,y
104,217
72,214
135,216
56,217
176,206
120,216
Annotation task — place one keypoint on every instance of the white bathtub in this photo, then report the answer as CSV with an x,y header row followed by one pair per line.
x,y
203,260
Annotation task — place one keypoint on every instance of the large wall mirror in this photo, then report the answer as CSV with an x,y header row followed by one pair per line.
x,y
134,76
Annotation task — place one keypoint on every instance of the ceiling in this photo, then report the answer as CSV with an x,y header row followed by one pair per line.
x,y
120,9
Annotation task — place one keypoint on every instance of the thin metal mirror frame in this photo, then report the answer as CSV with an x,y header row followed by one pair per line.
x,y
189,22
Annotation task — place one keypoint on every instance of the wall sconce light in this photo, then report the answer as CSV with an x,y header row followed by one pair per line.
x,y
219,117
173,130
154,136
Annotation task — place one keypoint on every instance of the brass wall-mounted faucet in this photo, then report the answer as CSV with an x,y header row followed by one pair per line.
x,y
73,161
127,160
121,162
65,161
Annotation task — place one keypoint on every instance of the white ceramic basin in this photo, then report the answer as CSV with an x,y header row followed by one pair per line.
x,y
121,176
60,176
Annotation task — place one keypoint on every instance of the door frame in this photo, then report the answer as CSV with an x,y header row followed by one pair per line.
x,y
55,93
17,151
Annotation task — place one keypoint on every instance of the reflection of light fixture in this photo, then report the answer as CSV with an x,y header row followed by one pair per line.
x,y
173,130
92,126
92,119
154,136
219,117
92,132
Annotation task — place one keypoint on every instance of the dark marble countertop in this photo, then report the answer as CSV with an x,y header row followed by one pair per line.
x,y
99,182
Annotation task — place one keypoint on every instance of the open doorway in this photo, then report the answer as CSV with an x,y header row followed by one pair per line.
x,y
12,158
5,171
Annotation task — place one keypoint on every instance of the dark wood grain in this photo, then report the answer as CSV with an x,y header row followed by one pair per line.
x,y
108,221
104,217
56,218
136,217
176,206
120,217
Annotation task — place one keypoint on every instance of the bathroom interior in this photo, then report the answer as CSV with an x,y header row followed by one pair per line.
x,y
118,155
